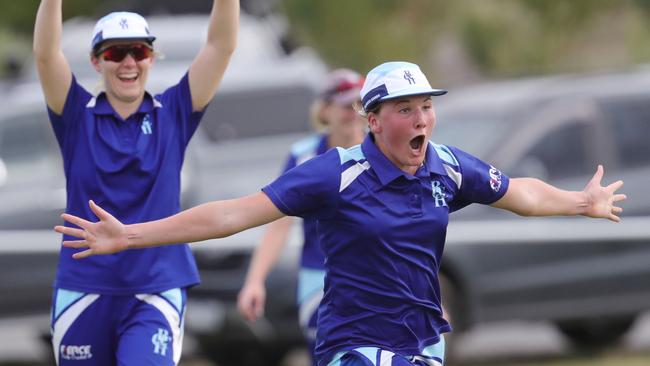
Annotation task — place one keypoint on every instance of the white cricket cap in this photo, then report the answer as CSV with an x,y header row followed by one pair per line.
x,y
121,25
392,80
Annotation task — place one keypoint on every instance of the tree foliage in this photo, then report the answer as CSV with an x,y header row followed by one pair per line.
x,y
491,37
450,39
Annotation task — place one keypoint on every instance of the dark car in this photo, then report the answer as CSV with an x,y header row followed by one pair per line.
x,y
590,277
586,276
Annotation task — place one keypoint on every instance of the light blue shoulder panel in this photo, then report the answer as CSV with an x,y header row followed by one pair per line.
x,y
308,145
445,154
353,153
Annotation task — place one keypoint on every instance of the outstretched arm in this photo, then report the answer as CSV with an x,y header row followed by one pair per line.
x,y
215,219
252,296
52,66
532,197
210,64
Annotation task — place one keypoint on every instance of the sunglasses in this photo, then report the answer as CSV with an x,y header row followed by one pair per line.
x,y
118,53
347,85
342,87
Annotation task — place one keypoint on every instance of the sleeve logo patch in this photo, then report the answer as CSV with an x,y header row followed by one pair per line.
x,y
495,179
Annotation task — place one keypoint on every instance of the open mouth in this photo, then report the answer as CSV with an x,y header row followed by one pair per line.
x,y
128,78
417,142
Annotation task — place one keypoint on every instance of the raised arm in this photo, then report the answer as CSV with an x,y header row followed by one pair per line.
x,y
215,219
52,66
252,296
210,64
533,197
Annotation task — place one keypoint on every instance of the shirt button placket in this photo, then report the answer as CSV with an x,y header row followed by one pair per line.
x,y
416,202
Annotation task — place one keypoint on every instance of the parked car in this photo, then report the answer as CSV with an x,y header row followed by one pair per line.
x,y
590,277
582,275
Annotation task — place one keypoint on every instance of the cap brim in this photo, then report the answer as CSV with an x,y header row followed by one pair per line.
x,y
410,93
146,39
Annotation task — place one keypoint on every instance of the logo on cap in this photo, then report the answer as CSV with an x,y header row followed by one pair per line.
x,y
124,24
409,77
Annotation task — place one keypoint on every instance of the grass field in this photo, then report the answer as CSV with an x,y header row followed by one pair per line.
x,y
603,360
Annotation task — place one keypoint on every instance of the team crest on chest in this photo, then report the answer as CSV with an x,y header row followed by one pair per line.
x,y
438,192
146,125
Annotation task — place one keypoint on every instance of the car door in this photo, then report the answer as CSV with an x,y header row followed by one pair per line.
x,y
564,276
32,193
520,278
32,188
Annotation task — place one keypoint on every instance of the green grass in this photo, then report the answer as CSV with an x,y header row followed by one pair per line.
x,y
604,360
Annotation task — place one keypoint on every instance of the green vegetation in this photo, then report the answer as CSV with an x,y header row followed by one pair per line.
x,y
490,38
455,41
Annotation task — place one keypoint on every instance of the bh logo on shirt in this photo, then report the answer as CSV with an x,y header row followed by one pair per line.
x,y
438,194
73,352
146,125
160,340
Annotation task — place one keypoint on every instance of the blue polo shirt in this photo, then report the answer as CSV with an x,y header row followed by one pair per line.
x,y
301,151
132,169
382,232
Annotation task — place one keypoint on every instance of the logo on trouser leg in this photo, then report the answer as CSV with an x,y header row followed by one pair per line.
x,y
71,352
160,340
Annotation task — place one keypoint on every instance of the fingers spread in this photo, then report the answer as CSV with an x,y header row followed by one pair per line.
x,y
71,231
614,218
76,220
99,212
85,254
598,176
615,186
75,244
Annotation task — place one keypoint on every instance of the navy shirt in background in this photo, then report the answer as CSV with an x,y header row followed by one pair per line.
x,y
132,169
301,151
382,232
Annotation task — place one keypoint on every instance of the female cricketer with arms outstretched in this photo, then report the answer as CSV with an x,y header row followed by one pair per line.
x,y
382,209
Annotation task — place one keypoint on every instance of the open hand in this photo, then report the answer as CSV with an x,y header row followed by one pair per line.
x,y
602,200
106,236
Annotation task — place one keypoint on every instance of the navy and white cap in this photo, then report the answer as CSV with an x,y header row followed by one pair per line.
x,y
392,80
121,25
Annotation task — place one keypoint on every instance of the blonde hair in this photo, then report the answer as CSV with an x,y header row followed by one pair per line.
x,y
316,115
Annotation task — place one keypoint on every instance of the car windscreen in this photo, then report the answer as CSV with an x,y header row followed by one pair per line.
x,y
476,131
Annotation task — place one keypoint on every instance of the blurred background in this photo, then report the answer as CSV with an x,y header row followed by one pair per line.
x,y
544,88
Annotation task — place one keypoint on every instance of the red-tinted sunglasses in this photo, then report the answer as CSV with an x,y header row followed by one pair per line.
x,y
118,52
342,87
347,85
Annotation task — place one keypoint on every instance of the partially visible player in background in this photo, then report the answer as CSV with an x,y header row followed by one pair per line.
x,y
334,115
125,148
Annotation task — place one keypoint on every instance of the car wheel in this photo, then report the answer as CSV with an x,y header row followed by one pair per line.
x,y
593,335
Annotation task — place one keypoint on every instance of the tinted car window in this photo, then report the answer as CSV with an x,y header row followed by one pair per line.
x,y
24,138
264,112
630,127
476,131
562,152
